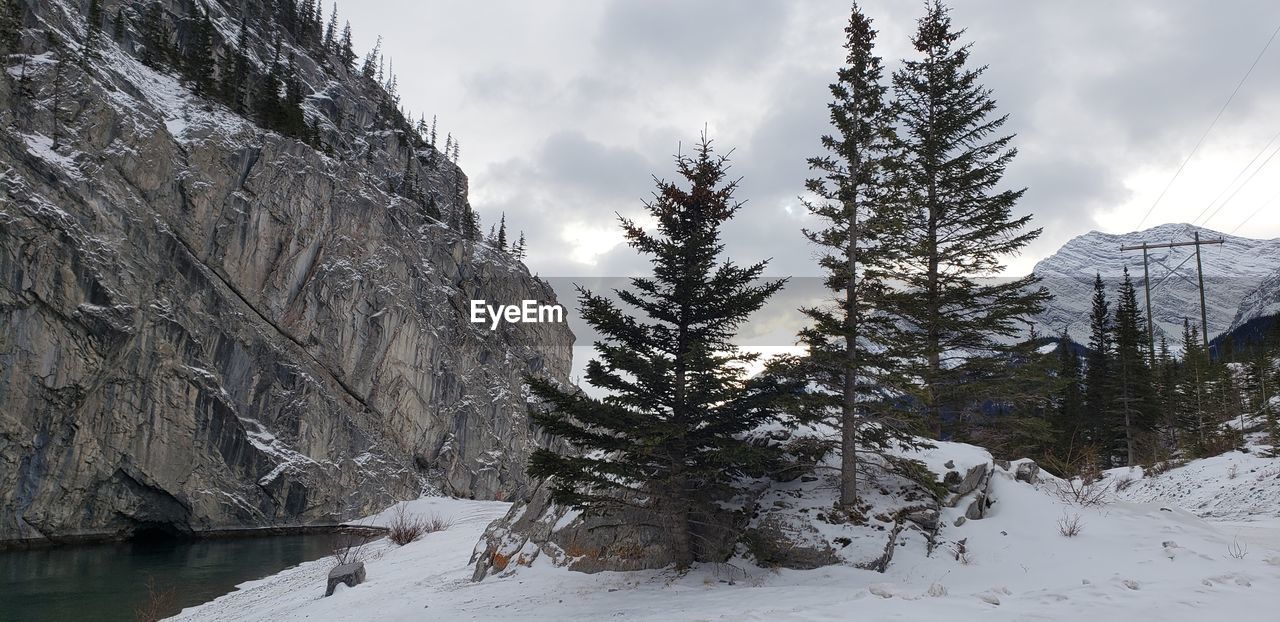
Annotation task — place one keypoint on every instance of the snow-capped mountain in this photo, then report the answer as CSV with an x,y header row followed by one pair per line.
x,y
1241,278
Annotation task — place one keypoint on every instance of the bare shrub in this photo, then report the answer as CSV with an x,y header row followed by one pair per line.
x,y
1070,526
1233,471
405,528
960,548
1088,487
1237,549
350,549
160,603
1122,483
1084,493
1160,468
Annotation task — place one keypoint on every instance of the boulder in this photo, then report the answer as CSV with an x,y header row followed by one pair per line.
x,y
350,574
1028,472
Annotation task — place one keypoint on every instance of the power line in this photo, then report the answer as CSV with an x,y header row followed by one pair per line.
x,y
1234,180
1210,128
1237,191
1266,203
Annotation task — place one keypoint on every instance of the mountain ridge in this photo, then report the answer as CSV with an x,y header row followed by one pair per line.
x,y
1242,280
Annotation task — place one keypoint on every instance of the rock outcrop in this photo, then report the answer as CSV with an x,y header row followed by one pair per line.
x,y
206,325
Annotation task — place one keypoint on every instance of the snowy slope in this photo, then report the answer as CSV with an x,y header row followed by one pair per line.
x,y
1133,560
1242,279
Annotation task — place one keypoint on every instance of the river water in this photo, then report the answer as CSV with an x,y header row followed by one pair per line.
x,y
109,581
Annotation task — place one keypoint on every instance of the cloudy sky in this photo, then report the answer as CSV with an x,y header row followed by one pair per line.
x,y
566,108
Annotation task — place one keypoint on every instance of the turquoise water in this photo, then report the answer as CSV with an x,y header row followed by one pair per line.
x,y
109,581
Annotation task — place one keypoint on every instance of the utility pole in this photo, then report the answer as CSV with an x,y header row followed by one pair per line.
x,y
1146,282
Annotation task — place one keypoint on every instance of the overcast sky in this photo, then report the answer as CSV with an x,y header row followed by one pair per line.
x,y
566,108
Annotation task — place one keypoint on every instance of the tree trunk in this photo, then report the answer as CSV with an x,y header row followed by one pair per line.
x,y
849,405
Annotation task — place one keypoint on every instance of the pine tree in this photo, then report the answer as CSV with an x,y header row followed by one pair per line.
x,y
198,59
331,31
1097,374
502,233
266,101
850,187
950,228
93,31
667,438
346,51
372,61
155,36
518,249
1135,403
119,26
11,16
1192,392
1069,413
1167,393
470,225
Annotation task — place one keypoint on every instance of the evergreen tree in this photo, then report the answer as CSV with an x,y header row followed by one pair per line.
x,y
1192,411
518,249
372,61
156,49
951,227
850,186
266,101
1097,374
330,31
118,29
198,59
502,233
667,438
1167,393
346,51
1135,411
93,30
11,16
1069,412
470,226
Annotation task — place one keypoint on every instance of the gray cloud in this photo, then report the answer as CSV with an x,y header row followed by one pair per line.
x,y
565,111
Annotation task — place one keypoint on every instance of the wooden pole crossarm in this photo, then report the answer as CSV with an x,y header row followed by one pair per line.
x,y
1145,246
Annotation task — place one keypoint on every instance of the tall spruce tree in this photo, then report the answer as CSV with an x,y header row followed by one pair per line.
x,y
1097,372
156,49
1135,402
851,186
11,15
198,57
666,438
93,31
951,226
1193,392
1068,413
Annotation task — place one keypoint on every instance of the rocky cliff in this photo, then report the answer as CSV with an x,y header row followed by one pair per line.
x,y
207,325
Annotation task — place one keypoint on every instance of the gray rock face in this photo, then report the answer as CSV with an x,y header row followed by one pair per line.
x,y
204,325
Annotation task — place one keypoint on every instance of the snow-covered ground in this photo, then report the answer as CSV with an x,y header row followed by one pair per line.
x,y
1140,557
